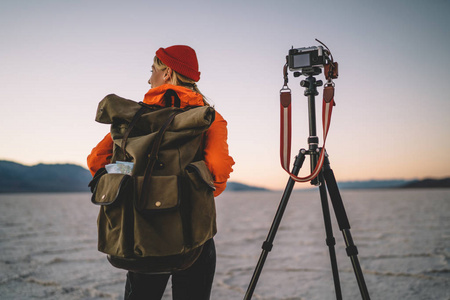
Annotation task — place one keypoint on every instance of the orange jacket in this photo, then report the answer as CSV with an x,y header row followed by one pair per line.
x,y
215,150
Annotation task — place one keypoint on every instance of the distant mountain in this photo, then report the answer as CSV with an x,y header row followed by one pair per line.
x,y
371,184
239,187
17,178
387,184
428,183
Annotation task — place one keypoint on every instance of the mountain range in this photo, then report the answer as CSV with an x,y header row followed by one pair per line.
x,y
18,178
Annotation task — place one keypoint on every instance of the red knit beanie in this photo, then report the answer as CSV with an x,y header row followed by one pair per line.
x,y
181,59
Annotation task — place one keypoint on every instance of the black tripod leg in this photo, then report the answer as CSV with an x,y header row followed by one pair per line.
x,y
344,226
268,243
330,241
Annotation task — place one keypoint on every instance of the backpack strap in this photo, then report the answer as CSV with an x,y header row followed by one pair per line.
x,y
153,156
130,128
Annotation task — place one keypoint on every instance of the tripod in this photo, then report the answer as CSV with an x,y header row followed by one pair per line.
x,y
325,180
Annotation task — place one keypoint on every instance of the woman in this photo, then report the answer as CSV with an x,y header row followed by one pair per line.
x,y
176,68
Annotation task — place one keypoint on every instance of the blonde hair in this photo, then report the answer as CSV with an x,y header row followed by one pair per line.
x,y
178,79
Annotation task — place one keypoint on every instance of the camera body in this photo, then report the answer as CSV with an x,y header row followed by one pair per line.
x,y
308,57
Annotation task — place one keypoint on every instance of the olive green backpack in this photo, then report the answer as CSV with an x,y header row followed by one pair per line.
x,y
155,218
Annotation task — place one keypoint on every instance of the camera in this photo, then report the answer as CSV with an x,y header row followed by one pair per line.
x,y
308,57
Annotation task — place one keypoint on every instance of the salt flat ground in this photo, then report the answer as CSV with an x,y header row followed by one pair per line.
x,y
48,247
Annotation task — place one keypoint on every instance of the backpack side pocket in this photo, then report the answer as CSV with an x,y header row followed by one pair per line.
x,y
203,209
114,194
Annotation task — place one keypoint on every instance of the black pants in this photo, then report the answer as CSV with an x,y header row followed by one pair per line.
x,y
193,283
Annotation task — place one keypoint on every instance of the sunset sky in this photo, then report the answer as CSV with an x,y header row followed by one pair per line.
x,y
60,58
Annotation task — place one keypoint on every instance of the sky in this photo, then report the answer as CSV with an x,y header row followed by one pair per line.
x,y
60,58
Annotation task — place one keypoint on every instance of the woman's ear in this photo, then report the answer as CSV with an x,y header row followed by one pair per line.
x,y
168,73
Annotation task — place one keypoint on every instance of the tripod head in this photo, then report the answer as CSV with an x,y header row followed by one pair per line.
x,y
311,71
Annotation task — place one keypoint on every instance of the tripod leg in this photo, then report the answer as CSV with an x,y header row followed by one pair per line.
x,y
330,241
344,226
268,243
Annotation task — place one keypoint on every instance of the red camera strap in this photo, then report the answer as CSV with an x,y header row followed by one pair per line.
x,y
285,129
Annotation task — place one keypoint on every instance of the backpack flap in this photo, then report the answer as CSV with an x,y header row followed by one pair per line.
x,y
163,194
109,188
